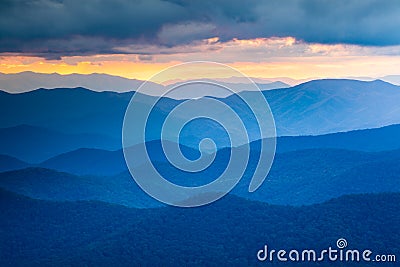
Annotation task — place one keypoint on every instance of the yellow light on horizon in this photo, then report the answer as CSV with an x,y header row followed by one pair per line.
x,y
291,67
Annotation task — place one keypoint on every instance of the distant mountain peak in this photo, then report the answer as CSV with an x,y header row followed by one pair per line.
x,y
28,81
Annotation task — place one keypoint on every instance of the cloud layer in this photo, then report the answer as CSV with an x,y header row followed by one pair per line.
x,y
55,28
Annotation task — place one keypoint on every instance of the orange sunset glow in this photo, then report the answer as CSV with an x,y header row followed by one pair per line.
x,y
262,58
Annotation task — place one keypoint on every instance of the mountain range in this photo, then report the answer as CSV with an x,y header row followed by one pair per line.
x,y
78,131
30,81
68,199
313,108
329,106
85,154
229,232
301,177
36,144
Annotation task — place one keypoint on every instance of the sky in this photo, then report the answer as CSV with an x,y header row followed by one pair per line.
x,y
299,39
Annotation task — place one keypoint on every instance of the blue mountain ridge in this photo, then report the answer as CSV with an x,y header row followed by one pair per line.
x,y
8,163
297,178
313,108
34,143
229,232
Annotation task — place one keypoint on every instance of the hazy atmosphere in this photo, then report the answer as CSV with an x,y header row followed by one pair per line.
x,y
199,133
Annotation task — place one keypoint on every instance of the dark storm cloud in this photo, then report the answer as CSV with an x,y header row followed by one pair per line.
x,y
364,22
53,28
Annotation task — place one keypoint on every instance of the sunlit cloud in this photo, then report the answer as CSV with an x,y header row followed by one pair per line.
x,y
259,57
